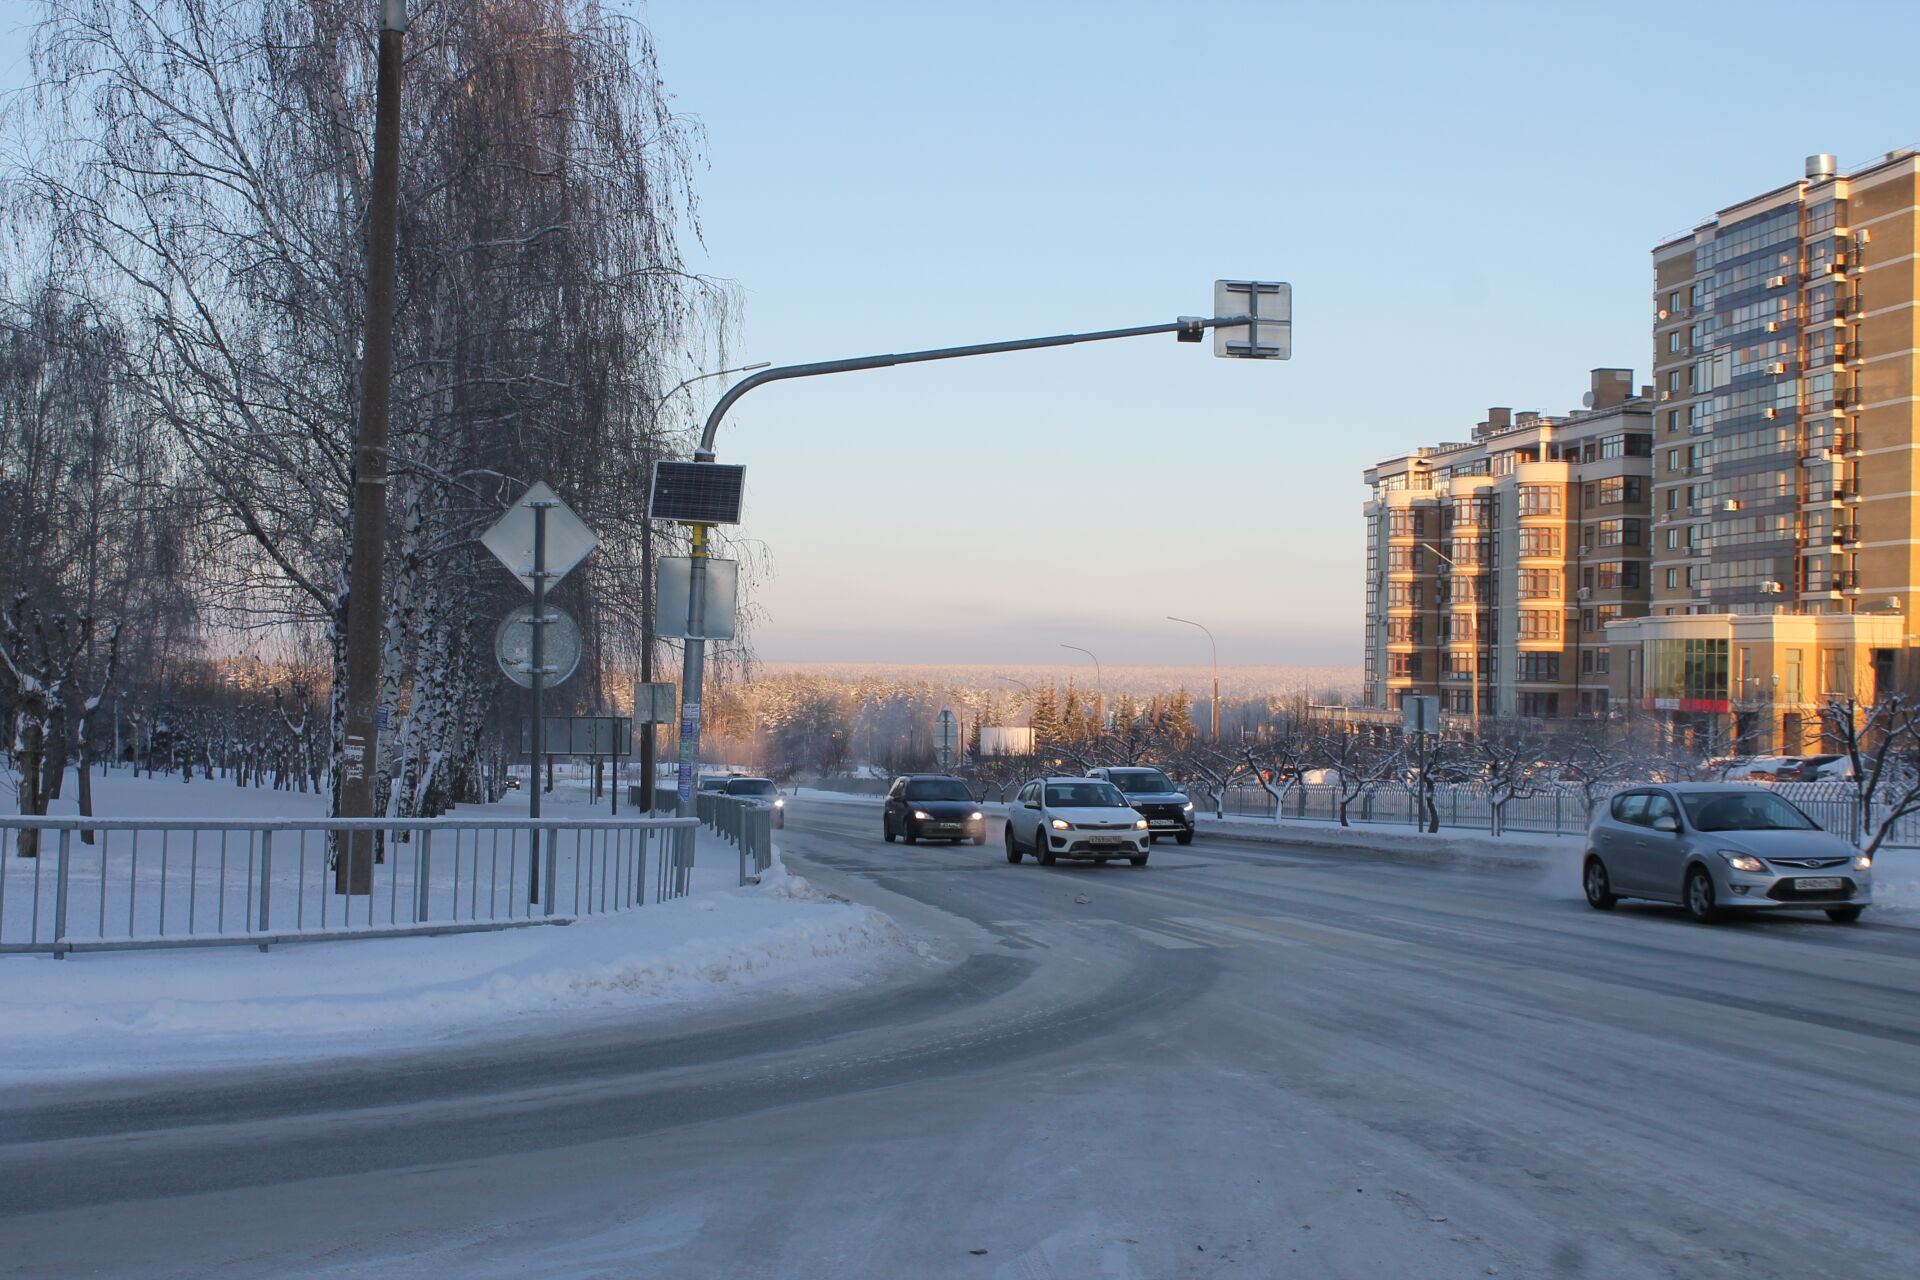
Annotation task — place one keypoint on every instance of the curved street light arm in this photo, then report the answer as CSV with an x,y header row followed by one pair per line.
x,y
1183,326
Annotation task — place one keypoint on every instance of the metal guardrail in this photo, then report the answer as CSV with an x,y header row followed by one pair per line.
x,y
1560,810
747,822
97,884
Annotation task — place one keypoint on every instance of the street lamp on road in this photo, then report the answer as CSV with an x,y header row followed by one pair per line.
x,y
1099,680
1473,629
1216,671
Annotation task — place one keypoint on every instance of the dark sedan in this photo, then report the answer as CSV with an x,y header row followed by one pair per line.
x,y
932,806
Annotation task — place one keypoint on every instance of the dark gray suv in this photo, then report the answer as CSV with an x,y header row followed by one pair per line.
x,y
1714,847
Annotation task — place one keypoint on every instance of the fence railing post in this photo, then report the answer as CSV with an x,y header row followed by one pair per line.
x,y
423,874
60,887
266,883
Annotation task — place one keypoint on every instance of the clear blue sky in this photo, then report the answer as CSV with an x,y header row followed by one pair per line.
x,y
1463,195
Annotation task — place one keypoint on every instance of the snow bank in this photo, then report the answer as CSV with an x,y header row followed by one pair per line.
x,y
124,1013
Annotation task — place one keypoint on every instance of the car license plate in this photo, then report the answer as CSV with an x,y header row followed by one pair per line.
x,y
946,826
1166,822
1817,882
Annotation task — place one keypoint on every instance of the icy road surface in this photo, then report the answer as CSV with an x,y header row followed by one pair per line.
x,y
1241,1061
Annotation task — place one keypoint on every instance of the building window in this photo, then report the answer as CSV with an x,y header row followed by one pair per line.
x,y
1406,524
1586,620
1540,542
1403,595
1630,445
1619,533
1406,560
1692,670
1539,500
1540,668
1673,575
1539,624
1403,666
1540,584
1404,630
1542,705
1620,489
1618,575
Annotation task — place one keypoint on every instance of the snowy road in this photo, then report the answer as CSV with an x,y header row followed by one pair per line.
x,y
1241,1061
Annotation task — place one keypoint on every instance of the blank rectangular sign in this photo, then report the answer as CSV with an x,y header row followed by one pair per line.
x,y
670,620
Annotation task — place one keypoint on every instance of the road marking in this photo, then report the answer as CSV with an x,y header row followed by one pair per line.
x,y
1201,930
1326,936
1164,940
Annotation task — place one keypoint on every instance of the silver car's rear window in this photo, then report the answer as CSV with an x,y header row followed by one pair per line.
x,y
1084,795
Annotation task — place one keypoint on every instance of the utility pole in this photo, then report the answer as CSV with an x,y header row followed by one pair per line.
x,y
357,789
1099,681
1216,671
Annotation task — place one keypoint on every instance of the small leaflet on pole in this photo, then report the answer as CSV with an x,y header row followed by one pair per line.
x,y
569,540
1270,334
689,730
670,621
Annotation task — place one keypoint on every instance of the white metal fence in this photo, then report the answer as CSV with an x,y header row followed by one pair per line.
x,y
170,883
746,822
1559,809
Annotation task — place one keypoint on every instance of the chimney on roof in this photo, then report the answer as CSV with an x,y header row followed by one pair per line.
x,y
1499,419
1646,391
1610,388
1820,167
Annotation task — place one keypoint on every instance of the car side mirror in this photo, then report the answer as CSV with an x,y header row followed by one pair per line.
x,y
1666,824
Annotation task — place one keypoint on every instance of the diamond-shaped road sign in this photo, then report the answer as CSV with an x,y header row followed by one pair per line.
x,y
568,537
1270,303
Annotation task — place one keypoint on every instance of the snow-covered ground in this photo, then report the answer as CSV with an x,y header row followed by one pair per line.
x,y
113,1013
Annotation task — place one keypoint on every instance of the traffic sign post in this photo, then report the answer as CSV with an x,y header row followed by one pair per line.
x,y
947,736
520,541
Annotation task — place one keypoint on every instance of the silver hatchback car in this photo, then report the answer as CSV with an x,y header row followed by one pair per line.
x,y
1714,847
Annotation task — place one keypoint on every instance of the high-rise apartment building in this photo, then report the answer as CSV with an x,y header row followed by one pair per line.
x,y
1786,480
1495,565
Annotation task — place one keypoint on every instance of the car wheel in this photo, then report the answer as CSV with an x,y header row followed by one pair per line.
x,y
1045,852
1013,847
886,828
780,821
1138,859
1599,888
1700,904
1185,837
1843,915
907,833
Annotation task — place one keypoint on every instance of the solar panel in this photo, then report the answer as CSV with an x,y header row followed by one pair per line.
x,y
697,492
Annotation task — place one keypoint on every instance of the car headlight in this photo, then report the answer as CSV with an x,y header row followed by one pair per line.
x,y
779,804
1140,825
919,816
1187,807
1742,861
1862,862
1061,824
975,817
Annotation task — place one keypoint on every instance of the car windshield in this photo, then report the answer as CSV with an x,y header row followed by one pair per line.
x,y
752,787
939,789
1743,811
1141,781
1083,795
713,784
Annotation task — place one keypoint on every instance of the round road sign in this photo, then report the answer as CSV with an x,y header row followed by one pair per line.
x,y
513,646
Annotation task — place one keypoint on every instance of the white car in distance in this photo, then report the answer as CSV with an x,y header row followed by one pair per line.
x,y
1054,818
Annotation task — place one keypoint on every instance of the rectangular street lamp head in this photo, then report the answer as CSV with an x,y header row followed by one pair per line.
x,y
697,492
1269,334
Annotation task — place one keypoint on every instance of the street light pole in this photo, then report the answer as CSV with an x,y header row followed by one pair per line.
x,y
1216,671
650,732
1099,680
1473,628
360,749
1187,328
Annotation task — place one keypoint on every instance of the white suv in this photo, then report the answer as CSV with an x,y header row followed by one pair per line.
x,y
1054,818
